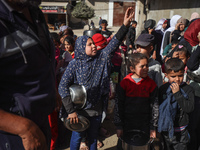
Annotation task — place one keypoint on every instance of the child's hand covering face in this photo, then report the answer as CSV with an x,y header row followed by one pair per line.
x,y
175,87
90,48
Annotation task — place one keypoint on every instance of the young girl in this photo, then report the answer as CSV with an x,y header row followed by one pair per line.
x,y
136,101
69,45
90,69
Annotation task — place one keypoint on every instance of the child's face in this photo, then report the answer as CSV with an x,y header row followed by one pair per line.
x,y
90,48
141,69
181,56
68,47
176,77
145,50
173,46
62,38
104,25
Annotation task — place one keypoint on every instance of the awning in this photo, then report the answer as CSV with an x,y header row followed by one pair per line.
x,y
54,4
54,7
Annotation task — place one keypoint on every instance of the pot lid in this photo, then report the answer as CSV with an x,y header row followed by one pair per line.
x,y
82,125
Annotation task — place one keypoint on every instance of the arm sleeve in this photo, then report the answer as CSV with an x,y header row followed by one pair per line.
x,y
167,48
154,108
193,61
166,39
159,77
66,81
115,41
119,107
156,74
187,104
122,33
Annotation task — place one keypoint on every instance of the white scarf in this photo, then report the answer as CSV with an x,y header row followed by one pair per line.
x,y
173,23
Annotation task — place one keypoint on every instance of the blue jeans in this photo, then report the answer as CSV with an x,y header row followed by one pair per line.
x,y
92,134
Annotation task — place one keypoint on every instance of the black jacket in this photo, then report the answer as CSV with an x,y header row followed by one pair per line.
x,y
186,105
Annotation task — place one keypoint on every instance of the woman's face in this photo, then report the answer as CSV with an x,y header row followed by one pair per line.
x,y
181,27
90,48
68,47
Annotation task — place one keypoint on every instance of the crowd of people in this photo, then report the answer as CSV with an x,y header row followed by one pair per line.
x,y
154,80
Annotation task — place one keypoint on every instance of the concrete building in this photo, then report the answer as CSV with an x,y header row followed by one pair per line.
x,y
113,10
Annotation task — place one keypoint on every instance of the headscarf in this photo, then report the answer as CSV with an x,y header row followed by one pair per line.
x,y
159,24
92,72
84,67
80,46
194,16
182,20
192,32
173,22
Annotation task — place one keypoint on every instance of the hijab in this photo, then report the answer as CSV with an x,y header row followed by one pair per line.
x,y
192,32
183,21
159,24
173,22
194,16
91,72
84,63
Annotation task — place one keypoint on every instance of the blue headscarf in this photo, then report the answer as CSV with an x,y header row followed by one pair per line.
x,y
92,72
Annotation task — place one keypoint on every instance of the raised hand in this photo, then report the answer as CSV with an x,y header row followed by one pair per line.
x,y
129,14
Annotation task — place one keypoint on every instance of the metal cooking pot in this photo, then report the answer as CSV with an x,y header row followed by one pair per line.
x,y
136,140
82,125
78,95
89,33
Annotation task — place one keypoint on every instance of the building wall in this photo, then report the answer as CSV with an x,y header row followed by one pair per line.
x,y
101,8
166,9
140,16
104,9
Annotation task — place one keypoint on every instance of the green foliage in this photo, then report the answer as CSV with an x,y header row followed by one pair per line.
x,y
82,11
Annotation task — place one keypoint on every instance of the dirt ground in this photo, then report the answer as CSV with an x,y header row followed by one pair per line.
x,y
108,143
